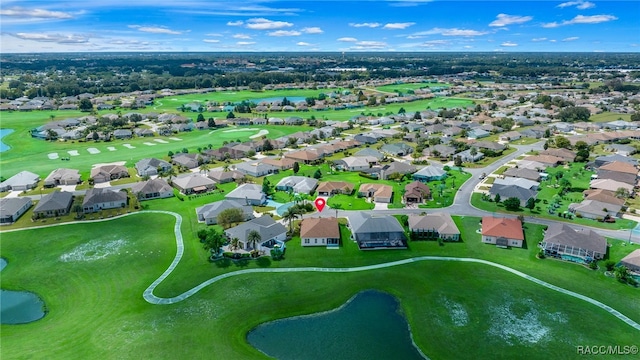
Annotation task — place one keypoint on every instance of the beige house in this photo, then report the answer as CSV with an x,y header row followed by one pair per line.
x,y
378,192
632,261
320,232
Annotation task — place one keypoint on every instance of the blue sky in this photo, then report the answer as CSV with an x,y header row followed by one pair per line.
x,y
326,25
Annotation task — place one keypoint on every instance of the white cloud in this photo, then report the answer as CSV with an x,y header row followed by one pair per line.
x,y
369,25
371,45
508,44
241,36
504,20
235,23
433,43
245,43
213,34
53,38
347,39
156,29
213,41
285,33
539,39
312,30
266,24
21,12
451,32
398,26
580,4
582,19
572,38
302,43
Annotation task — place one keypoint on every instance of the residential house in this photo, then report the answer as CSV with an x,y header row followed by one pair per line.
x,y
547,160
320,232
441,151
281,164
106,173
510,136
466,156
396,167
378,192
603,196
522,173
223,177
621,149
122,134
430,173
477,133
209,213
256,168
416,192
502,232
152,189
433,226
374,232
397,149
57,203
355,163
151,166
62,176
601,160
582,246
271,234
566,155
193,184
509,191
12,208
330,188
632,261
188,161
610,185
489,147
531,165
594,209
24,180
365,139
619,171
250,194
97,199
297,184
523,183
305,156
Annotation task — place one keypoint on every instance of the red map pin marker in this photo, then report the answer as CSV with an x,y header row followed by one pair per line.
x,y
320,203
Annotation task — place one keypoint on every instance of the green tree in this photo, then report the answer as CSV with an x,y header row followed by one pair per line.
x,y
211,123
290,216
231,115
200,118
531,203
85,105
228,217
563,142
213,241
266,145
253,238
266,186
317,174
296,167
497,199
512,204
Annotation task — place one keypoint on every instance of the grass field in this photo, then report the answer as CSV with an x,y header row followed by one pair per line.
x,y
94,275
609,116
31,154
403,88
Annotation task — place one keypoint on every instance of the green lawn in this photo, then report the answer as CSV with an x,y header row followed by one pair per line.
x,y
490,160
94,275
27,150
404,88
609,116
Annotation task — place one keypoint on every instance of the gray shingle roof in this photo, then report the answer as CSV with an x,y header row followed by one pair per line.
x,y
57,200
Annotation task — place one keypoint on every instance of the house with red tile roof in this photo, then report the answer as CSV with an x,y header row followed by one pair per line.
x,y
503,232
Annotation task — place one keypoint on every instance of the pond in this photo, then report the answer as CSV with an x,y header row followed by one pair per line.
x,y
19,307
293,99
3,133
369,326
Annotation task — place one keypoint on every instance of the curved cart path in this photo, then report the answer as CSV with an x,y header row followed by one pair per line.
x,y
153,299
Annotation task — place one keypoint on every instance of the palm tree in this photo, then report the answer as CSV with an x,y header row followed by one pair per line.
x,y
253,238
290,216
234,243
204,168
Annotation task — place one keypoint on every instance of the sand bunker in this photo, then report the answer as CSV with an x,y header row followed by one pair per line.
x,y
52,156
111,148
260,133
93,151
175,139
241,129
129,146
161,141
73,152
149,144
111,163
